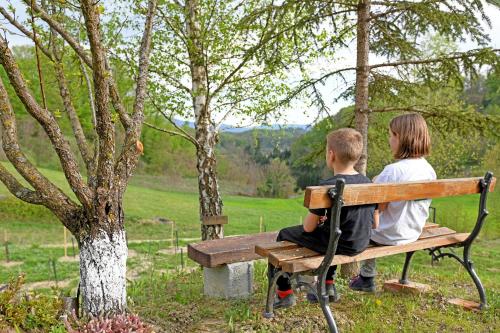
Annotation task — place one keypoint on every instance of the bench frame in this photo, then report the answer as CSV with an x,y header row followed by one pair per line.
x,y
336,196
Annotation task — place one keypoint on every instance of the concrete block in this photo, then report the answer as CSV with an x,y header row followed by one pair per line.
x,y
229,281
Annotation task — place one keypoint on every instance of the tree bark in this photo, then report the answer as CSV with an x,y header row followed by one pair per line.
x,y
103,258
361,108
206,133
210,199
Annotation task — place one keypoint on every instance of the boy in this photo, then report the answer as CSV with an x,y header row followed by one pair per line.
x,y
343,149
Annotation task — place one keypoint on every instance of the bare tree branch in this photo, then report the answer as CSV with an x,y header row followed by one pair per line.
x,y
17,189
61,31
26,32
76,126
129,153
169,118
49,124
456,56
187,137
80,51
105,128
50,195
172,80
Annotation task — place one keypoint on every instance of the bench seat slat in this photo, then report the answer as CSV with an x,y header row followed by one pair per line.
x,y
300,265
278,256
228,250
266,248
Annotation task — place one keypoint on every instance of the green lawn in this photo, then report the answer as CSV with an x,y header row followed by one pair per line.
x,y
173,299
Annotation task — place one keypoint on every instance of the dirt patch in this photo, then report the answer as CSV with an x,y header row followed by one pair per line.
x,y
212,325
11,264
132,253
46,284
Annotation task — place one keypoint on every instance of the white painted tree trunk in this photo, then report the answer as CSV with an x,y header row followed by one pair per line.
x,y
103,261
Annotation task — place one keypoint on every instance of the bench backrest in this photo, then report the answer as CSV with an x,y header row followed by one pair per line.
x,y
361,194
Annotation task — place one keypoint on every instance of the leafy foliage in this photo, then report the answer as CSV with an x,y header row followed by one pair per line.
x,y
30,311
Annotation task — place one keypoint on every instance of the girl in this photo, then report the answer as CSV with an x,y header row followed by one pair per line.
x,y
400,222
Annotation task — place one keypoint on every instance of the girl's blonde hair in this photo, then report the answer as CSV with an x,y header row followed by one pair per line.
x,y
414,138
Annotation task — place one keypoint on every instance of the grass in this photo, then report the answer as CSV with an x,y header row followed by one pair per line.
x,y
173,299
175,302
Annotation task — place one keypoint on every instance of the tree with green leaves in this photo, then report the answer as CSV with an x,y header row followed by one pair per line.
x,y
94,212
213,60
392,66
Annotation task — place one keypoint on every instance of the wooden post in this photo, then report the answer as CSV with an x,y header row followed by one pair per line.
x,y
176,241
65,243
172,234
52,262
73,246
6,243
260,224
7,252
182,259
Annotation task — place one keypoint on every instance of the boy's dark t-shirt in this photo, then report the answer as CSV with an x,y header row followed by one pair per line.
x,y
355,224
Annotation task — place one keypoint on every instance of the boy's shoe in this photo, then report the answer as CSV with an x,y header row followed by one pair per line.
x,y
361,283
285,302
331,291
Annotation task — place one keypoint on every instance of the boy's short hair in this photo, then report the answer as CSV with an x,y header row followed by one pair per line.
x,y
346,143
414,138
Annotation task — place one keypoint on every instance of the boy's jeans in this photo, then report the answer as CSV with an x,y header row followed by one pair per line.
x,y
368,268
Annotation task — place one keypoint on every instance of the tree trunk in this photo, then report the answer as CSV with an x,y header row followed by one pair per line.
x,y
206,133
361,108
210,199
103,259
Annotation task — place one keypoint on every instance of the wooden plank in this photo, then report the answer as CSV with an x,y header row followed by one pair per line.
x,y
361,194
214,220
227,250
430,225
301,265
279,254
277,258
466,304
265,248
434,232
410,287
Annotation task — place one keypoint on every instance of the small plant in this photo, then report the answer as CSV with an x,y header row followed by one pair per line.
x,y
28,311
124,323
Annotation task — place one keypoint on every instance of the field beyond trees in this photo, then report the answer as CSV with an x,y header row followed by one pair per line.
x,y
167,290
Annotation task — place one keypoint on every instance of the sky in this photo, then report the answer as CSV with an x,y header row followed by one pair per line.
x,y
299,113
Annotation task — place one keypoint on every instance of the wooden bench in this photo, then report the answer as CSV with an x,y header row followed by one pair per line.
x,y
228,263
289,258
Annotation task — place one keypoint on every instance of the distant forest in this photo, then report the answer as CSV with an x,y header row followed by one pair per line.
x,y
272,162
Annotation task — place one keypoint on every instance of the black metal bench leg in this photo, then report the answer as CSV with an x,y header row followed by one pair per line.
x,y
404,276
273,275
469,266
324,302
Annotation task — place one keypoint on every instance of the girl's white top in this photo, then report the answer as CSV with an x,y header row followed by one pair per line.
x,y
403,221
